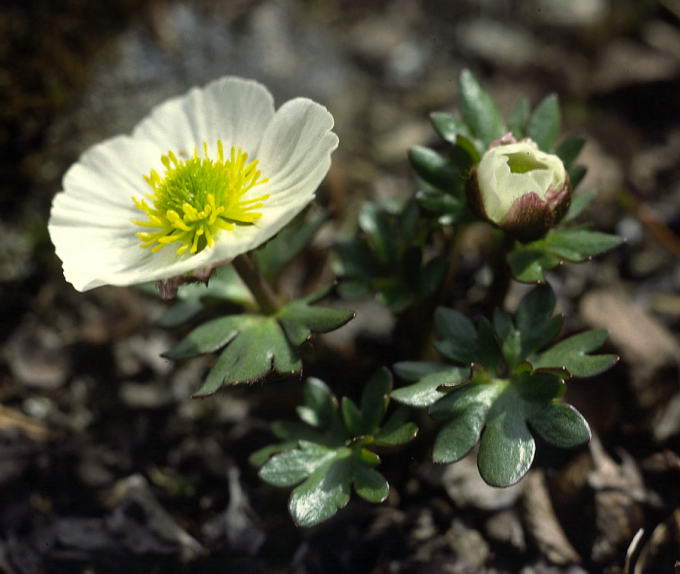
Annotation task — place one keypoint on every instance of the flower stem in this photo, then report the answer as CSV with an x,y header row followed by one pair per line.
x,y
501,274
265,297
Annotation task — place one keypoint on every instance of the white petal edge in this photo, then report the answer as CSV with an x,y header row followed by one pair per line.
x,y
232,109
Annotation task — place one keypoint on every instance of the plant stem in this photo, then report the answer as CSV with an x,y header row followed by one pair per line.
x,y
501,274
452,245
265,297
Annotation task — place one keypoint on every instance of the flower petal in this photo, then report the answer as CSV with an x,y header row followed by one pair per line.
x,y
235,110
296,148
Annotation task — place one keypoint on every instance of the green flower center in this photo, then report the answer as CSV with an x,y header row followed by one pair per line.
x,y
523,162
196,198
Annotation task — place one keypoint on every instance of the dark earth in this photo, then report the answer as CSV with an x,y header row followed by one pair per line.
x,y
106,463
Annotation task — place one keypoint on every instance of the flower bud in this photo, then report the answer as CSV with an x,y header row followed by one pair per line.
x,y
519,188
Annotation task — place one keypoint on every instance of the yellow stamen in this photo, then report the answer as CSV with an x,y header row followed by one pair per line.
x,y
196,198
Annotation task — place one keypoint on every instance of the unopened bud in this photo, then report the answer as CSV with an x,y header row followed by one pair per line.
x,y
519,188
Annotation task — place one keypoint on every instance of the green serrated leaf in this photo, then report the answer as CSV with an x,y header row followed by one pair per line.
x,y
518,118
569,150
572,353
434,168
544,123
562,425
299,319
479,110
259,348
211,336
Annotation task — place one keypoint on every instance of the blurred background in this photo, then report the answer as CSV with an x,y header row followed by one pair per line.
x,y
105,462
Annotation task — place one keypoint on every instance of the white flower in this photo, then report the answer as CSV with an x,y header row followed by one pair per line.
x,y
205,177
520,188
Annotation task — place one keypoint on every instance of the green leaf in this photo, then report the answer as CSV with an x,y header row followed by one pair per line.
x,y
466,408
577,244
397,429
211,336
511,343
479,110
535,320
499,410
426,391
458,333
290,467
326,491
259,348
544,123
431,275
180,312
320,405
375,223
353,418
529,261
562,425
288,243
299,319
506,450
570,149
375,398
448,127
408,221
261,456
572,353
577,205
471,151
357,260
518,118
434,168
370,484
488,350
528,265
576,174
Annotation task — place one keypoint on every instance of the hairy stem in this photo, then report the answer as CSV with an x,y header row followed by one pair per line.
x,y
265,297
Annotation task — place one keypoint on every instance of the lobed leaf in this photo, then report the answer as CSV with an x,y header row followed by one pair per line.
x,y
260,347
573,354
